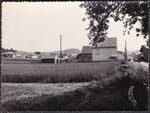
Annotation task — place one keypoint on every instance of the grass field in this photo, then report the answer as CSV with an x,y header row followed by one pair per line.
x,y
54,73
107,94
107,90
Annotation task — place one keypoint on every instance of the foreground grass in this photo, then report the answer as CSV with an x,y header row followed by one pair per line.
x,y
109,93
56,73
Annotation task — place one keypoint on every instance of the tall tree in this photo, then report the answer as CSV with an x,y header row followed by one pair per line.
x,y
129,13
144,51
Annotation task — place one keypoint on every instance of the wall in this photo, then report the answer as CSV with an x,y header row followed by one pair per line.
x,y
102,54
85,58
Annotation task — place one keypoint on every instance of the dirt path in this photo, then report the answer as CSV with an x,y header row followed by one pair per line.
x,y
16,91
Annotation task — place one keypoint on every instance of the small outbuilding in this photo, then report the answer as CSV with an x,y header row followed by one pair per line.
x,y
50,58
8,54
86,55
120,55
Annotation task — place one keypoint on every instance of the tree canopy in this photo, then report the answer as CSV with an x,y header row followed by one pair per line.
x,y
129,13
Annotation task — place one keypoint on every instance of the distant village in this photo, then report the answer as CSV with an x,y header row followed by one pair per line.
x,y
104,51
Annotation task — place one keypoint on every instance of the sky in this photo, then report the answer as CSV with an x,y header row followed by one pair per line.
x,y
37,26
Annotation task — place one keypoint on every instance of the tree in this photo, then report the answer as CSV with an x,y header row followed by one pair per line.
x,y
38,53
144,51
129,13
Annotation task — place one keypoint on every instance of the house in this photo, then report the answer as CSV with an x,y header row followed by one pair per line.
x,y
86,55
34,57
72,58
50,58
105,51
8,54
113,57
20,55
120,55
65,58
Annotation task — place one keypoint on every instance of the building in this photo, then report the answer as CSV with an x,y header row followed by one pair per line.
x,y
86,55
65,58
120,55
20,55
72,58
34,57
50,58
8,54
105,51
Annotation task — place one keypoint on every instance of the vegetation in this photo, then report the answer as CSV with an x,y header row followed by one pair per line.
x,y
54,73
108,89
144,51
8,50
129,13
108,93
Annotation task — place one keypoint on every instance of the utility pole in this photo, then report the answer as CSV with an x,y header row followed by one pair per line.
x,y
125,55
60,48
149,54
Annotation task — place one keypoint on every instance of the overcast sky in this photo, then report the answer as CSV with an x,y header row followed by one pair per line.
x,y
36,26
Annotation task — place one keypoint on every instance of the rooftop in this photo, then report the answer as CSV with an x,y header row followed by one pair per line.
x,y
108,42
86,49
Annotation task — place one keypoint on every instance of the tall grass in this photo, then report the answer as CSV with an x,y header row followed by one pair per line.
x,y
108,93
54,73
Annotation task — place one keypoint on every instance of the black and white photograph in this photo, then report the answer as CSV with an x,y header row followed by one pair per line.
x,y
75,56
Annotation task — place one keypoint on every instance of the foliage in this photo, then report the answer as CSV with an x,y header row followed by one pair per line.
x,y
144,51
38,53
129,13
8,50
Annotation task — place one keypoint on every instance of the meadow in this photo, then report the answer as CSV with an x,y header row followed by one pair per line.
x,y
56,73
109,93
108,87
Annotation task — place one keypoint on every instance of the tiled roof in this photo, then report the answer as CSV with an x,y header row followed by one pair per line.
x,y
86,49
109,42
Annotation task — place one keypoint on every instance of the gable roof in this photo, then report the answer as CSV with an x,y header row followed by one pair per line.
x,y
86,49
109,42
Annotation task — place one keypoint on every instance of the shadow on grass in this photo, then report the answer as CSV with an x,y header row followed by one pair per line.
x,y
103,95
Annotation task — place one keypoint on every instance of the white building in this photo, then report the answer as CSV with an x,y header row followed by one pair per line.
x,y
105,50
120,55
50,58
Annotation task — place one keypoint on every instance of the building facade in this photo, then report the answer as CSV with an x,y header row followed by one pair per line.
x,y
120,55
48,58
104,51
86,55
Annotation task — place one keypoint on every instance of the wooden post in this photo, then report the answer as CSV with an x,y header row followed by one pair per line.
x,y
149,53
125,53
60,48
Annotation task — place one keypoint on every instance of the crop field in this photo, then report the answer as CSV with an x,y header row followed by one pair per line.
x,y
56,73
